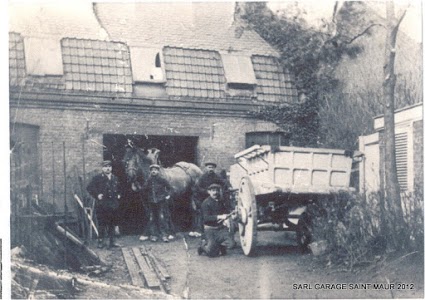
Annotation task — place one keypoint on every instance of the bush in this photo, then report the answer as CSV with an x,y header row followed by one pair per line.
x,y
351,225
413,208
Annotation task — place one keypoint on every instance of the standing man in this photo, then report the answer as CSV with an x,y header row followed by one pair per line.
x,y
200,193
157,190
218,237
105,189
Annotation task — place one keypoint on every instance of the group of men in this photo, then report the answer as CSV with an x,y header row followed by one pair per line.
x,y
211,214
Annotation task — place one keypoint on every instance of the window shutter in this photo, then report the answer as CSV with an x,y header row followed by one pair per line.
x,y
401,154
43,56
238,69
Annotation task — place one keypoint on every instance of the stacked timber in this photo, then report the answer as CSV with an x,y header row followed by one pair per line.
x,y
145,269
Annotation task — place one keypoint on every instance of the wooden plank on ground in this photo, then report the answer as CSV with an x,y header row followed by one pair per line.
x,y
153,264
132,267
146,256
160,267
149,274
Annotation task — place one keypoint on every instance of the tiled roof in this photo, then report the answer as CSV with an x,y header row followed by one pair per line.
x,y
200,74
89,65
16,60
99,66
194,73
199,25
273,83
203,33
17,70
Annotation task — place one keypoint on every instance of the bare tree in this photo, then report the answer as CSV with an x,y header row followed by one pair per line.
x,y
394,220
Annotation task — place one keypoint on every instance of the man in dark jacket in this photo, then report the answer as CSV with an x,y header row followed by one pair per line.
x,y
200,193
105,189
216,218
157,190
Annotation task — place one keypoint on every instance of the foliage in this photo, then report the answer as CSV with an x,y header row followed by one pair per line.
x,y
299,121
342,112
413,208
352,226
308,54
311,56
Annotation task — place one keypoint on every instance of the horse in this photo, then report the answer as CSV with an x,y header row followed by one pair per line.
x,y
136,165
134,209
181,177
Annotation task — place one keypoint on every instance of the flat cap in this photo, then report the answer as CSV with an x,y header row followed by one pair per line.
x,y
214,186
106,163
210,163
154,166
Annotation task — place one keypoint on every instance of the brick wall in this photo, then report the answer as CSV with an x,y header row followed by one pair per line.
x,y
219,138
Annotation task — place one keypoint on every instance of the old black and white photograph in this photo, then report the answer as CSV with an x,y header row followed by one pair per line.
x,y
214,150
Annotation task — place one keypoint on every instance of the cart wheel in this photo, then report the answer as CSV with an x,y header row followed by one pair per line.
x,y
247,212
304,235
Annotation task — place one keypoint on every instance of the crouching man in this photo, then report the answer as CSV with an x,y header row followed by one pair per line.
x,y
218,237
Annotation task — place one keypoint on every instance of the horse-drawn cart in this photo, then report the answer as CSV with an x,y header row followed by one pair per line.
x,y
275,185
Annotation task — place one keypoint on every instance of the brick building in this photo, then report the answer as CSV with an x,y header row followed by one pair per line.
x,y
180,77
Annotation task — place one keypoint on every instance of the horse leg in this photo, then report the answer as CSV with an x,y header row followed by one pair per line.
x,y
168,211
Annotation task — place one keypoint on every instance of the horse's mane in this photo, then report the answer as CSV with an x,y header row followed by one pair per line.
x,y
143,161
131,151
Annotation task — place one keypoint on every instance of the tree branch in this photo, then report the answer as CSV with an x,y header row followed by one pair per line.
x,y
363,33
402,16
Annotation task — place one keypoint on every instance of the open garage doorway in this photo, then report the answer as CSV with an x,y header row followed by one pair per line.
x,y
173,149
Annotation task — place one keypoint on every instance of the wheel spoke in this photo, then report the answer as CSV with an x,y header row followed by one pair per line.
x,y
248,212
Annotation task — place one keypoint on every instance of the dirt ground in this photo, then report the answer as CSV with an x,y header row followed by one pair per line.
x,y
278,270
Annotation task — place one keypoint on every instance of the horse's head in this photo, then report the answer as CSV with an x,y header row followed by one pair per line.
x,y
153,155
136,165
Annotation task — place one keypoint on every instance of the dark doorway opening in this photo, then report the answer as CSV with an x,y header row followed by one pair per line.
x,y
25,179
173,149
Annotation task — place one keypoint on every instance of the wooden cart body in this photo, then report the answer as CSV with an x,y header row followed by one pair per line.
x,y
275,184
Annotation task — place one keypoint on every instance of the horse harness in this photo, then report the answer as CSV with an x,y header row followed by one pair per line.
x,y
185,167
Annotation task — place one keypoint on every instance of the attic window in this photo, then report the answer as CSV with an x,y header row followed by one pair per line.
x,y
157,61
146,65
43,56
239,71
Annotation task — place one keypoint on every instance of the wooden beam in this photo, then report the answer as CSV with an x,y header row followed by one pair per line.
x,y
149,274
78,242
160,267
132,267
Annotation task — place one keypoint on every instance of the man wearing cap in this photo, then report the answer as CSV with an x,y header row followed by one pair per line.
x,y
216,216
105,189
157,190
200,193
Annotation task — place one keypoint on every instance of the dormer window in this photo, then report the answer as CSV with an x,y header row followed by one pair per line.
x,y
158,61
239,71
146,65
43,57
